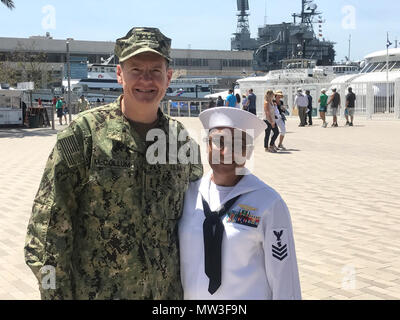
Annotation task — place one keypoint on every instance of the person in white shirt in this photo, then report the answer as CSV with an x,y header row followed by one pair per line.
x,y
301,102
235,234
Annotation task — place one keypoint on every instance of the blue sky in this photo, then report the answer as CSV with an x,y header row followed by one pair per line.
x,y
206,24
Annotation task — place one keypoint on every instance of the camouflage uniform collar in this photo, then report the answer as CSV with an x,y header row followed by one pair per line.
x,y
121,130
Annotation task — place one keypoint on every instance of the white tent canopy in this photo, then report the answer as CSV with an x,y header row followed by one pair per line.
x,y
377,77
344,79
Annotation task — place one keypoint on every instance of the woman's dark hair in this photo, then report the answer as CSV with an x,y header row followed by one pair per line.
x,y
238,97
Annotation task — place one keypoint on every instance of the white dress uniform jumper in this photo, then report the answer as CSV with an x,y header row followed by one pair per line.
x,y
258,257
236,243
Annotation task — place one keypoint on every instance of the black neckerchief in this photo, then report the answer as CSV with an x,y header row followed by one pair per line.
x,y
213,242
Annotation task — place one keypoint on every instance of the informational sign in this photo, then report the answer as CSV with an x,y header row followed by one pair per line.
x,y
26,86
79,68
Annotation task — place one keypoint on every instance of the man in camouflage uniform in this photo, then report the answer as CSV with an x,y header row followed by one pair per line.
x,y
104,219
83,104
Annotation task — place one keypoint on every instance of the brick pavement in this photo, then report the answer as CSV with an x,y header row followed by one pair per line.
x,y
341,186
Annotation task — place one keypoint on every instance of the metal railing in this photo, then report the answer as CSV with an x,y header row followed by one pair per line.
x,y
184,107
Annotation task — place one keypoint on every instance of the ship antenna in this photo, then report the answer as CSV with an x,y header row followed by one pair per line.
x,y
240,42
243,17
265,16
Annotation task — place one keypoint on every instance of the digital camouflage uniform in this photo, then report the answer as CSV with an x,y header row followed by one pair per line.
x,y
104,217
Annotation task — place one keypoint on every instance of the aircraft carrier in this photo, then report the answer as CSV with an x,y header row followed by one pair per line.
x,y
277,42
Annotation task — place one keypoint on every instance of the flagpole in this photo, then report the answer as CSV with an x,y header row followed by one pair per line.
x,y
349,47
387,74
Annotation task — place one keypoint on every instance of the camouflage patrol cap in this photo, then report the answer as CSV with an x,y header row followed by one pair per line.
x,y
142,39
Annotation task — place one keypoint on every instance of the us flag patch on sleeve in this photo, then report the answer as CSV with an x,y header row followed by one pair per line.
x,y
69,147
280,244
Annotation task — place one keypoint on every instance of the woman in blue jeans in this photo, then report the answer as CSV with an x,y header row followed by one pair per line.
x,y
269,119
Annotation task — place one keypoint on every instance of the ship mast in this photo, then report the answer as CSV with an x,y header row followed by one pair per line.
x,y
243,26
242,40
308,12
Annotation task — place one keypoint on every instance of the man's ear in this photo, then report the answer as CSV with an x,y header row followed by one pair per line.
x,y
119,74
169,75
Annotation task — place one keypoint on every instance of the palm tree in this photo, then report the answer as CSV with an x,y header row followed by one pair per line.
x,y
8,3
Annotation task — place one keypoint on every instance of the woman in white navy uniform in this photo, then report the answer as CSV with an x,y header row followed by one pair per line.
x,y
235,234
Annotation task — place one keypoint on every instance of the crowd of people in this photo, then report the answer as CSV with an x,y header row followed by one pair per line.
x,y
245,102
275,111
303,103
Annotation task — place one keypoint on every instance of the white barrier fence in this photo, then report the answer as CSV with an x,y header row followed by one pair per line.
x,y
373,99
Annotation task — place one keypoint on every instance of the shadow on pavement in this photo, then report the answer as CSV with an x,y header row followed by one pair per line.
x,y
17,133
344,126
288,151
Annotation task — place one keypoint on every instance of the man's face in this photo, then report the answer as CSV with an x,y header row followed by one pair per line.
x,y
145,79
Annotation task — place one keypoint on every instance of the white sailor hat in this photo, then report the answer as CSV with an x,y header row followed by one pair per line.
x,y
233,118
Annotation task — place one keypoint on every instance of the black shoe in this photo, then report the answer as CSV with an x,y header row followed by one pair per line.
x,y
347,123
351,124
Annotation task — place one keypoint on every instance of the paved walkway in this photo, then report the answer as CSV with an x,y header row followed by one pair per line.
x,y
341,186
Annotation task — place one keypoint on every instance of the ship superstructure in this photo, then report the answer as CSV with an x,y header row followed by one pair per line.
x,y
277,42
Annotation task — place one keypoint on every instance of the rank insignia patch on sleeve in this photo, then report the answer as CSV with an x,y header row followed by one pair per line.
x,y
280,248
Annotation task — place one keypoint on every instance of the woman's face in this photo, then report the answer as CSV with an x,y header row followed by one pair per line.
x,y
226,149
269,96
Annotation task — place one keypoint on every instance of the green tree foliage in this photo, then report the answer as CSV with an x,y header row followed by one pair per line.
x,y
8,3
25,65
